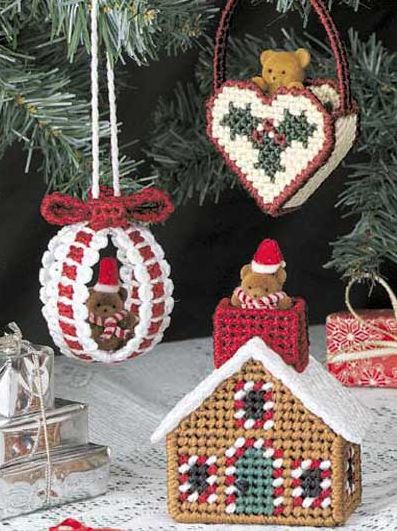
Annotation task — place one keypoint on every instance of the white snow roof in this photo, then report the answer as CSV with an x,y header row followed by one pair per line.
x,y
318,390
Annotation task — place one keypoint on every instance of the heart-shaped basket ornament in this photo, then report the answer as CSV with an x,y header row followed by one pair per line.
x,y
284,146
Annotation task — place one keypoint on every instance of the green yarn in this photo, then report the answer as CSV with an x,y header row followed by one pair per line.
x,y
296,128
241,122
254,483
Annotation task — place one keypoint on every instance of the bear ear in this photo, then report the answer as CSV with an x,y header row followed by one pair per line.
x,y
245,270
281,275
303,56
123,294
265,55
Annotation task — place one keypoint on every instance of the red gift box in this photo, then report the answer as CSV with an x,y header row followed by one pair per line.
x,y
345,334
285,331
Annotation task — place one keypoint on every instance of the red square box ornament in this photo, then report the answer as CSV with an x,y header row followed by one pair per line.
x,y
285,331
351,339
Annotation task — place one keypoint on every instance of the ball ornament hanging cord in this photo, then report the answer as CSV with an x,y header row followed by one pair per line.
x,y
88,227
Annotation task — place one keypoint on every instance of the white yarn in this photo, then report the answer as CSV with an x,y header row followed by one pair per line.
x,y
113,128
133,267
94,99
95,110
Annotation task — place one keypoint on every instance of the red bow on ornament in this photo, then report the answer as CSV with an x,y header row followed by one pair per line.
x,y
151,205
73,525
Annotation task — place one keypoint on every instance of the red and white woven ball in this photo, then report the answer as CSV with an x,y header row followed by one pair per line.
x,y
67,270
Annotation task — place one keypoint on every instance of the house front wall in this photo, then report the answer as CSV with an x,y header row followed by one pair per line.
x,y
252,453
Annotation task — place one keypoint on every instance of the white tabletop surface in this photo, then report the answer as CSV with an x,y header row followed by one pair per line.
x,y
128,401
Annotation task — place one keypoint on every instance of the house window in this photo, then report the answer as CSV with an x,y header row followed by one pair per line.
x,y
197,478
253,404
311,483
350,484
254,478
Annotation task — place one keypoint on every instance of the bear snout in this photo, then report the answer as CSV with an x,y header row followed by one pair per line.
x,y
259,292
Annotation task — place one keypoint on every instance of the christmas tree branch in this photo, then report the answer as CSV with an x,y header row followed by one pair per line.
x,y
44,76
43,107
132,27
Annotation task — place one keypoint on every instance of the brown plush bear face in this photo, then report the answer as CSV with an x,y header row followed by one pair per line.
x,y
280,69
106,304
258,285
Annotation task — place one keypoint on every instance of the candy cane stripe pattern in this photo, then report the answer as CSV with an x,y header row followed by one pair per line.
x,y
249,303
68,268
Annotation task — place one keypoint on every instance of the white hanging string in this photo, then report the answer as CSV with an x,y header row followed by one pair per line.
x,y
95,110
113,128
94,99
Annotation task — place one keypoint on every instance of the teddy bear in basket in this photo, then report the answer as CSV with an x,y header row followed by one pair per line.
x,y
282,69
111,324
262,280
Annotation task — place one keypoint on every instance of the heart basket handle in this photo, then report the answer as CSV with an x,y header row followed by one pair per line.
x,y
337,47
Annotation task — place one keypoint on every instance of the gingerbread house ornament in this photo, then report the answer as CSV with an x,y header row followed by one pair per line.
x,y
258,443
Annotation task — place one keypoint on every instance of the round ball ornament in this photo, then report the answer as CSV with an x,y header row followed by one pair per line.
x,y
68,268
115,319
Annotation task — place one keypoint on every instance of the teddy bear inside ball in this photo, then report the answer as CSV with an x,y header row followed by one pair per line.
x,y
101,306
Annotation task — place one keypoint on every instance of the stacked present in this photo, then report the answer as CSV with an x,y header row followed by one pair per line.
x,y
45,456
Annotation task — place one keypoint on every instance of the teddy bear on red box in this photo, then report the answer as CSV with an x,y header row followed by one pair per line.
x,y
260,307
262,280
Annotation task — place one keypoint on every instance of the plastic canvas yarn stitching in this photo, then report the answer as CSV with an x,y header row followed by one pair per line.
x,y
291,472
282,147
285,331
68,267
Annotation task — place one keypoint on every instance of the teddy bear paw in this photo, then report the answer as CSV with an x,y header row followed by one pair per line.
x,y
285,303
296,84
259,82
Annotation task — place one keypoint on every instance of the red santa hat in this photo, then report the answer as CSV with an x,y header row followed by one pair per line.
x,y
268,257
108,278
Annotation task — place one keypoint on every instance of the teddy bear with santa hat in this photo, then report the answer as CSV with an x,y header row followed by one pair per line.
x,y
262,280
111,324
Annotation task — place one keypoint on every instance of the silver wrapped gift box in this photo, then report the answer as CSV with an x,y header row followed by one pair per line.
x,y
19,389
76,473
23,437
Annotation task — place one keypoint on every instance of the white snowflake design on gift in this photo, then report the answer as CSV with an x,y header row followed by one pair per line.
x,y
345,375
372,375
348,335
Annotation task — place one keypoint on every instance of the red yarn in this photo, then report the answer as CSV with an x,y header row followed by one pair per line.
x,y
285,331
151,205
70,524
